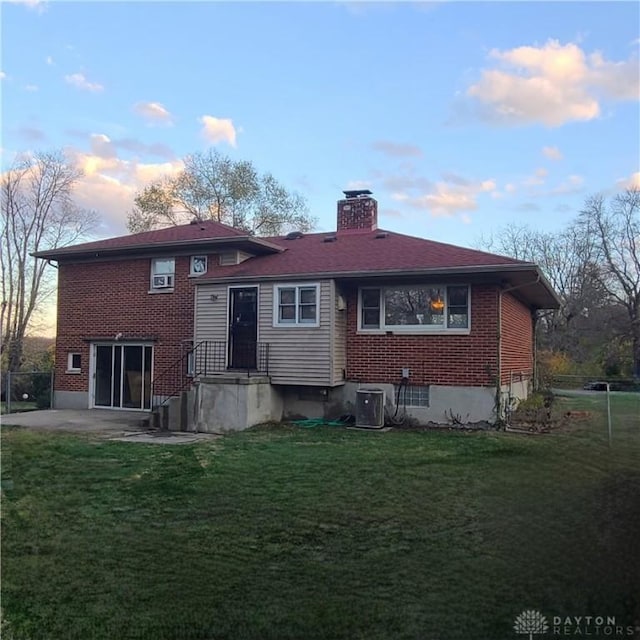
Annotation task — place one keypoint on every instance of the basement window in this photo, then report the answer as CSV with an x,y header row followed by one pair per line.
x,y
412,395
74,362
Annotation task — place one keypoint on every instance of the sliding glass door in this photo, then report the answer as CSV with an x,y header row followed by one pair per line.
x,y
122,376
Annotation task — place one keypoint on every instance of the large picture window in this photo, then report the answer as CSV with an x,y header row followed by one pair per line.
x,y
414,307
296,305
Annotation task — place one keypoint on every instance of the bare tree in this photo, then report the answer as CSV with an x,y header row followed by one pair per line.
x,y
568,260
215,187
38,213
615,228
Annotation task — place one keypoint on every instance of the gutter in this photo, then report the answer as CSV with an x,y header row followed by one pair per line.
x,y
150,247
383,274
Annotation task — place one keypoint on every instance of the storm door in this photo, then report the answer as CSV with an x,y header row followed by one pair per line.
x,y
243,327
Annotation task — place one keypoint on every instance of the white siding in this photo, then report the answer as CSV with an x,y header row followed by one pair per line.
x,y
297,355
211,315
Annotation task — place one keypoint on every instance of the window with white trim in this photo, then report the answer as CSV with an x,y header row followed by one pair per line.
x,y
296,305
415,307
74,362
198,265
162,273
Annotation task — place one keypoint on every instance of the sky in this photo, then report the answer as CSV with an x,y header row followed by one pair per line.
x,y
461,117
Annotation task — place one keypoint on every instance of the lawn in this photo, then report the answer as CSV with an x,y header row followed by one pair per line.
x,y
293,533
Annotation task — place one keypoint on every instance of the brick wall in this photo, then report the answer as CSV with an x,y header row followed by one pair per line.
x,y
459,360
517,338
357,214
101,299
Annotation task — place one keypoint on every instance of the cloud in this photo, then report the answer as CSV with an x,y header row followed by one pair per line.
x,y
49,60
553,153
216,130
157,149
407,180
573,184
35,5
153,112
102,147
109,184
538,178
552,85
397,149
3,75
448,198
527,207
32,134
31,87
632,182
79,81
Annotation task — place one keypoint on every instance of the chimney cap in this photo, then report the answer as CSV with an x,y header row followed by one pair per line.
x,y
357,193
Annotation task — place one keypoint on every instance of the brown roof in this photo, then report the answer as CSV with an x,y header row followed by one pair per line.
x,y
194,234
341,254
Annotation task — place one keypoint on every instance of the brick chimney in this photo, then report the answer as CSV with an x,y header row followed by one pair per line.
x,y
358,211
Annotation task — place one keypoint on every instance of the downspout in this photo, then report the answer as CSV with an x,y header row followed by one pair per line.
x,y
534,321
499,408
498,400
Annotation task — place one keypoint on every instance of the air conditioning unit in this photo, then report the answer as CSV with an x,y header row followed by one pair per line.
x,y
162,282
370,408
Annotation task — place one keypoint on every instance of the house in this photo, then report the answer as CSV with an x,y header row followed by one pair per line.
x,y
298,325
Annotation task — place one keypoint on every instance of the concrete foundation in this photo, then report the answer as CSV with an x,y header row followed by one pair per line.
x,y
228,403
70,400
447,404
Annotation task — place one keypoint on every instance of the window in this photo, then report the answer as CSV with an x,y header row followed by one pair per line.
x,y
74,362
296,305
162,273
412,395
417,308
198,265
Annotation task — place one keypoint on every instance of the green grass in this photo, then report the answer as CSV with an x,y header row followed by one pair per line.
x,y
291,533
18,406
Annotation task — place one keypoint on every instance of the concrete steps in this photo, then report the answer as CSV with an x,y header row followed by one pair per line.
x,y
176,414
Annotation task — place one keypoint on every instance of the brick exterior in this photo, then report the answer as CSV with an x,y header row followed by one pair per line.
x,y
517,338
457,360
101,299
357,214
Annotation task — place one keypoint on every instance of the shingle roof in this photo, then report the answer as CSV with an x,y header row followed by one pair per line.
x,y
199,233
196,231
362,252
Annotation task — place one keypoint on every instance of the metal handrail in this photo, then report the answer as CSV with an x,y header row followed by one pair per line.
x,y
209,357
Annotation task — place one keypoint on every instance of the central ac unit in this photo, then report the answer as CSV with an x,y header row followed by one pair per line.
x,y
370,408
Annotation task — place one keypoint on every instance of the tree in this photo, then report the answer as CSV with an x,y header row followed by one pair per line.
x,y
213,187
615,228
567,259
38,213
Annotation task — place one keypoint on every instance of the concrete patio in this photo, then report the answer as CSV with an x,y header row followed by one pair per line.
x,y
125,426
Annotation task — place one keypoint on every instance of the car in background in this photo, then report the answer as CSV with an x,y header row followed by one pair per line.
x,y
596,386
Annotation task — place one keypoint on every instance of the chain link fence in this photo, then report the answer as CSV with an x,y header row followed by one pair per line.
x,y
611,406
26,391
